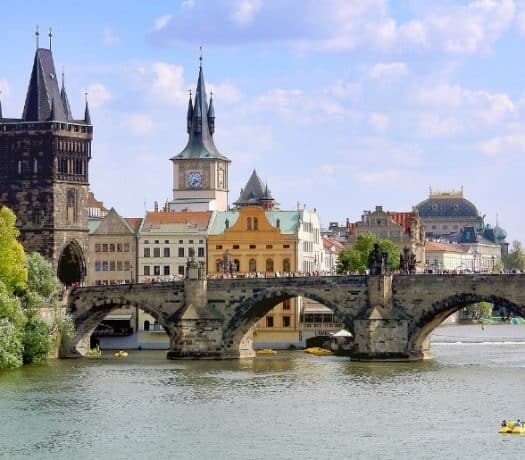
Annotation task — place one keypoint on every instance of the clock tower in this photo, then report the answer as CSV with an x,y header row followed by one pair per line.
x,y
200,171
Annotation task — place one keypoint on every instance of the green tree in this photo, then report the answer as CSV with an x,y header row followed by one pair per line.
x,y
42,283
37,341
12,322
355,258
13,272
479,310
515,260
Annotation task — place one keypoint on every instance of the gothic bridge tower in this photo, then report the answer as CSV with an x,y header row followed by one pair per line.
x,y
44,159
200,171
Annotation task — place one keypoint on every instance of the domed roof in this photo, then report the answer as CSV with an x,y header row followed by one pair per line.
x,y
447,205
499,233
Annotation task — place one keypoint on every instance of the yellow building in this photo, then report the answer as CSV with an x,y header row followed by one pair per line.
x,y
259,243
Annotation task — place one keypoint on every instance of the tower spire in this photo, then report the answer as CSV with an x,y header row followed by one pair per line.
x,y
1,105
37,35
64,98
87,117
50,35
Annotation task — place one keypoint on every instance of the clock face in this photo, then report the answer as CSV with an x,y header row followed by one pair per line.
x,y
194,179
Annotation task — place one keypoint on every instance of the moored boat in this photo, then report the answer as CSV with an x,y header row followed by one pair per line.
x,y
318,351
121,354
512,428
266,351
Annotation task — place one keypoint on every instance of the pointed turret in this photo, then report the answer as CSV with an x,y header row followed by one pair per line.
x,y
211,115
43,88
200,140
189,116
1,106
65,101
255,193
87,117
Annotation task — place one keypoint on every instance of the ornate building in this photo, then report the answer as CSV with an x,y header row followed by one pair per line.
x,y
44,158
200,171
255,193
402,228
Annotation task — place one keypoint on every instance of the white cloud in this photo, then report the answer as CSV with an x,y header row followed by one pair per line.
x,y
388,70
245,11
225,92
432,125
162,21
139,123
109,38
98,94
344,90
514,143
442,95
379,122
168,84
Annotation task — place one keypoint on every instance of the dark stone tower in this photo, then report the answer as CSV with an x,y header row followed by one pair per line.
x,y
44,159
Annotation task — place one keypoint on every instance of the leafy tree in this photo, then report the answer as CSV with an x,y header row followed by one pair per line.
x,y
515,260
10,345
13,272
479,310
42,282
355,258
36,340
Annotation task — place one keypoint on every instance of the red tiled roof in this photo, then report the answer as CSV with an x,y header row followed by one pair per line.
x,y
199,218
328,243
403,218
92,202
134,222
445,247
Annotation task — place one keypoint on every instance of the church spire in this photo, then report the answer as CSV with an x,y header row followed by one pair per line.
x,y
200,124
52,115
87,117
1,105
64,99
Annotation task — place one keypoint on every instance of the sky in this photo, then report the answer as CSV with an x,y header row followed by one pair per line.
x,y
339,105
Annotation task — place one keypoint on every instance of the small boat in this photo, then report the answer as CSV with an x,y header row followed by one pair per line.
x,y
512,428
266,351
318,351
94,352
121,354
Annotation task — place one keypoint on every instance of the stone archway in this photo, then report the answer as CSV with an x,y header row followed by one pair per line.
x,y
419,336
71,264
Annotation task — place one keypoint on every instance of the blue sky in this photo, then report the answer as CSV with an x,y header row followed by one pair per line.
x,y
340,105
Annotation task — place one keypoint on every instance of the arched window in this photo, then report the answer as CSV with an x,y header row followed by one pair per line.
x,y
286,265
269,265
252,266
236,265
146,325
219,265
249,223
255,223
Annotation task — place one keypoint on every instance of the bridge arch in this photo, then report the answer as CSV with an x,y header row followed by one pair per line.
x,y
86,319
253,308
424,326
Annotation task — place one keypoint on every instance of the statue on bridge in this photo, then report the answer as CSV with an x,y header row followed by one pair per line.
x,y
228,264
378,261
407,261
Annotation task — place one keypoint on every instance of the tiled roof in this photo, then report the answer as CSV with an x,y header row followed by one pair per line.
x,y
92,202
199,218
403,218
443,247
254,192
329,243
134,223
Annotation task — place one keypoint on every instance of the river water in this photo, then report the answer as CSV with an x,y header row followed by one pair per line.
x,y
288,406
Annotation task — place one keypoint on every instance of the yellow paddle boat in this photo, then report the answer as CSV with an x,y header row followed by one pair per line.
x,y
266,351
121,354
512,427
318,351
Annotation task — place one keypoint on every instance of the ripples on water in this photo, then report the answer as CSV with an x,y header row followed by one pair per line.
x,y
291,405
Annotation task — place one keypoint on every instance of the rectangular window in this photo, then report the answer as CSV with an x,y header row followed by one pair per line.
x,y
146,241
105,247
119,247
127,265
156,270
269,321
97,247
181,241
166,241
105,266
166,252
286,304
156,252
126,247
190,242
253,246
219,246
200,252
181,252
112,266
112,247
269,246
181,270
147,252
286,321
235,246
119,265
156,241
286,246
166,269
201,241
146,270
98,266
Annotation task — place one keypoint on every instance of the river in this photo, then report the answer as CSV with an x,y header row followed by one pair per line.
x,y
288,406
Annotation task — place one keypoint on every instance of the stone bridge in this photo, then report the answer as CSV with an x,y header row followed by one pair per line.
x,y
391,317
